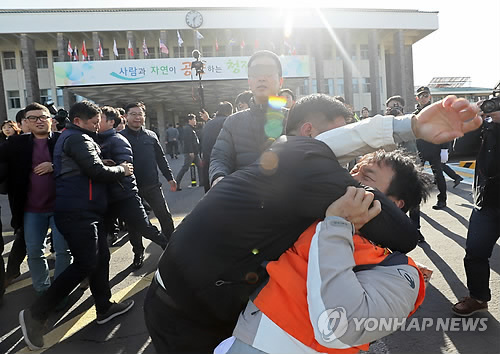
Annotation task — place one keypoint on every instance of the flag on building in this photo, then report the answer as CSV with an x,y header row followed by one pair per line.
x,y
232,42
84,52
100,51
70,50
216,45
75,54
163,47
256,45
179,39
199,35
130,49
242,44
145,48
115,49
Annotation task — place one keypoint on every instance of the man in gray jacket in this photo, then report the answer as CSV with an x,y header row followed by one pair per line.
x,y
172,144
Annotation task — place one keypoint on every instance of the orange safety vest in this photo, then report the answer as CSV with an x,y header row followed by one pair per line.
x,y
284,298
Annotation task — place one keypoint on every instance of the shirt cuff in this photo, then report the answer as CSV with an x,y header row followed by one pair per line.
x,y
402,131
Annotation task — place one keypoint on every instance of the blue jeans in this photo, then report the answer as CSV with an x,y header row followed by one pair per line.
x,y
36,226
484,231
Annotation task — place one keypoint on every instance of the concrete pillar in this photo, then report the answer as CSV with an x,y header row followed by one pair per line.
x,y
62,47
409,88
373,41
3,103
318,60
163,37
389,73
131,39
30,70
95,45
399,63
347,68
69,99
196,41
161,122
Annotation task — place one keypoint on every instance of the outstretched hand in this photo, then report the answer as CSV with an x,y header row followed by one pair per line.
x,y
446,120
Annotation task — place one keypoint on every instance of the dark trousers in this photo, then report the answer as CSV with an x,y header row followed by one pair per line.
x,y
16,255
415,216
450,172
188,160
172,148
205,164
484,231
132,212
156,200
172,331
437,171
86,236
2,264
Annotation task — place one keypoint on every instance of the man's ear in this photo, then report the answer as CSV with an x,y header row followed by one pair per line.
x,y
281,82
400,203
306,129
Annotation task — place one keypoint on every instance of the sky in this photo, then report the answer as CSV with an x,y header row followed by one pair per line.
x,y
467,42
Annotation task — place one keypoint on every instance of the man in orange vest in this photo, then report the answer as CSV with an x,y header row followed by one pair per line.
x,y
332,278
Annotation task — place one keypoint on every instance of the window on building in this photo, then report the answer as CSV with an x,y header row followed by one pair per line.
x,y
45,96
366,85
355,85
354,52
363,52
340,87
304,89
122,54
42,62
207,51
9,60
330,87
60,97
22,61
327,49
14,99
179,52
90,54
137,54
55,56
221,52
248,50
105,54
189,51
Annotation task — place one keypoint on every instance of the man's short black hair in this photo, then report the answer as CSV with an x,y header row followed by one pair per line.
x,y
20,116
269,54
225,109
288,91
397,98
121,111
84,110
135,104
189,117
315,103
410,183
244,97
111,114
35,106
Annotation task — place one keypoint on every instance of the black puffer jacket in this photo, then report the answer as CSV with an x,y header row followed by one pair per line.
x,y
244,137
80,174
116,147
213,261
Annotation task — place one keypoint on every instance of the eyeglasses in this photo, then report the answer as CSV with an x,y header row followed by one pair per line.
x,y
262,70
134,114
423,95
33,119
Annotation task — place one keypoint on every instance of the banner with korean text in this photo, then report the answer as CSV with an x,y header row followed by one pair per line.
x,y
107,72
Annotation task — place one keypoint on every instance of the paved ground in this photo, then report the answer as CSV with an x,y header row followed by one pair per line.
x,y
74,329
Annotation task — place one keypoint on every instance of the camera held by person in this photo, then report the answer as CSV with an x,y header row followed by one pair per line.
x,y
61,115
492,104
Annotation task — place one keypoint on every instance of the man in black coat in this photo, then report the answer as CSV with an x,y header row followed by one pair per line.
x,y
214,259
191,149
124,200
148,157
81,201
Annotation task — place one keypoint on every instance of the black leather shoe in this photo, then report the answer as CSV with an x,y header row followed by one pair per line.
x,y
421,238
439,206
138,261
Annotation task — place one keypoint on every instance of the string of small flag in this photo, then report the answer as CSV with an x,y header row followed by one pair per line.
x,y
73,51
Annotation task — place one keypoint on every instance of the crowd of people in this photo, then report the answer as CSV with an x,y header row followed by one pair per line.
x,y
250,268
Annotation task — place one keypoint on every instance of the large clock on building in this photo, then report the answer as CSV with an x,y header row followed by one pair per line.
x,y
194,19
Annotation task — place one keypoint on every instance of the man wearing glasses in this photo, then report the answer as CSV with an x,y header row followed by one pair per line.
x,y
31,188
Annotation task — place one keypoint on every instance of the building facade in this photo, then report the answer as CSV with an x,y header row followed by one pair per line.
x,y
364,55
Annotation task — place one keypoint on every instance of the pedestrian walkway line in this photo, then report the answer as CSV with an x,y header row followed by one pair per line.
x,y
77,323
